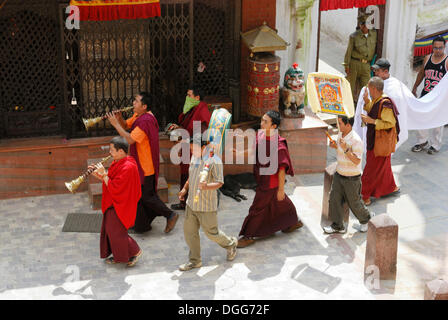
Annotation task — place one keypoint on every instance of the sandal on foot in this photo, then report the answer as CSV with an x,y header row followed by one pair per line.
x,y
134,259
110,260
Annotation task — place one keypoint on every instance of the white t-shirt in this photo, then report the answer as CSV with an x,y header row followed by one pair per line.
x,y
345,166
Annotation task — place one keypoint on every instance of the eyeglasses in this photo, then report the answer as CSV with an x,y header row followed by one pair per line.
x,y
362,23
438,48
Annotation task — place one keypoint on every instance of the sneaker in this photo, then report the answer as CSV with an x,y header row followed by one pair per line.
x,y
189,265
432,150
419,147
330,230
231,252
361,227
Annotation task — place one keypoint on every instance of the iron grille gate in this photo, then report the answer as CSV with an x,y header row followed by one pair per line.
x,y
107,63
31,100
52,77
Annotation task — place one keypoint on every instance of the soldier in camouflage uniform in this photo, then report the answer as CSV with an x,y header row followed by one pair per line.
x,y
360,51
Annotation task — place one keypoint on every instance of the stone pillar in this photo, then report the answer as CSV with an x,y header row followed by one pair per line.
x,y
381,248
328,180
307,142
436,290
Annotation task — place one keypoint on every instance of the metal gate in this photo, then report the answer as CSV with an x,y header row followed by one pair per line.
x,y
31,100
52,77
107,63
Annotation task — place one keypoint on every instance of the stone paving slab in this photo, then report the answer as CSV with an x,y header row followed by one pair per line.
x,y
40,262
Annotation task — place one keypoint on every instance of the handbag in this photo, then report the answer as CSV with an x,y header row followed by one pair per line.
x,y
385,140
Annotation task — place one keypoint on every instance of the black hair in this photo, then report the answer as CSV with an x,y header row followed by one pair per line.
x,y
120,143
197,91
146,99
348,120
275,117
440,39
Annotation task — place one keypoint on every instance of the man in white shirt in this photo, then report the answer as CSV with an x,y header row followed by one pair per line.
x,y
346,185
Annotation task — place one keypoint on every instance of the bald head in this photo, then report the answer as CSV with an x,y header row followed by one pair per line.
x,y
376,86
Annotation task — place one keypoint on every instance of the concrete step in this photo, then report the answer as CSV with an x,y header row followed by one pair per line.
x,y
96,190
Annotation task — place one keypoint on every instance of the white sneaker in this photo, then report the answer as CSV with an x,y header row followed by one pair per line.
x,y
330,229
361,227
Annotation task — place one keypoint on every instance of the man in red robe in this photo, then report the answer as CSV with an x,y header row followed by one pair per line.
x,y
382,114
143,139
271,210
195,109
121,193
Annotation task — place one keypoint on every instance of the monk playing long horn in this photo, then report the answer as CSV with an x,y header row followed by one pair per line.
x,y
121,192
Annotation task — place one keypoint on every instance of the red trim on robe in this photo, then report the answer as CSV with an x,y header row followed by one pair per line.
x,y
123,190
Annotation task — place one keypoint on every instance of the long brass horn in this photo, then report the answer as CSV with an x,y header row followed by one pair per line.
x,y
73,185
92,121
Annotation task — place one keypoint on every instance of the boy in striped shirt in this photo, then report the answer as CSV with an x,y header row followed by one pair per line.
x,y
202,204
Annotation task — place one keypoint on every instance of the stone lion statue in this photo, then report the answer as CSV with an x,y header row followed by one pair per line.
x,y
293,93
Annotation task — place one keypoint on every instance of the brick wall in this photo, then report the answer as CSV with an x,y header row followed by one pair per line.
x,y
254,13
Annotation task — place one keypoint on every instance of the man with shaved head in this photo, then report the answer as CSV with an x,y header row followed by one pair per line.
x,y
382,114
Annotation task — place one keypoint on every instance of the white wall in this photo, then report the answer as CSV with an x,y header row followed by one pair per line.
x,y
290,29
339,24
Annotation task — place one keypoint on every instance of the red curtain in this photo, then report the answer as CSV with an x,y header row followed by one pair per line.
x,y
348,4
96,10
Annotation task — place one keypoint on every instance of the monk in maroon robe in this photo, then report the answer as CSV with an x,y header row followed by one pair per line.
x,y
271,210
194,110
121,193
144,148
377,178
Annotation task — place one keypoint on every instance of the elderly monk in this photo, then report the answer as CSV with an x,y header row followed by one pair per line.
x,y
377,178
271,210
121,192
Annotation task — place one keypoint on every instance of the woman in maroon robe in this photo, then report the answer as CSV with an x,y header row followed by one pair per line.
x,y
271,210
121,193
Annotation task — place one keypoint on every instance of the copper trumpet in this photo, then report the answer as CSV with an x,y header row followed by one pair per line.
x,y
92,121
73,185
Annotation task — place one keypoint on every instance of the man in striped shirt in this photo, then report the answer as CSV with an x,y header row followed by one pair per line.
x,y
205,178
346,184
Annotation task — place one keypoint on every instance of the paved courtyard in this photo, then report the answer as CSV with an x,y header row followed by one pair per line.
x,y
39,261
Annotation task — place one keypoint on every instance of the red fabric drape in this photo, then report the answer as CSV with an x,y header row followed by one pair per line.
x,y
422,51
348,4
116,9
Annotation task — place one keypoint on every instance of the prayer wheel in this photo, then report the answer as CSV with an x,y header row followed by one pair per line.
x,y
264,83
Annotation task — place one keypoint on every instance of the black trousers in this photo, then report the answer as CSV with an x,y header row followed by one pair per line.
x,y
150,206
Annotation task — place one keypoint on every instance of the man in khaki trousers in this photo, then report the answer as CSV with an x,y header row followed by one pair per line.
x,y
205,178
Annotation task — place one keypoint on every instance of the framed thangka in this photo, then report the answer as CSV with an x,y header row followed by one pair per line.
x,y
330,93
